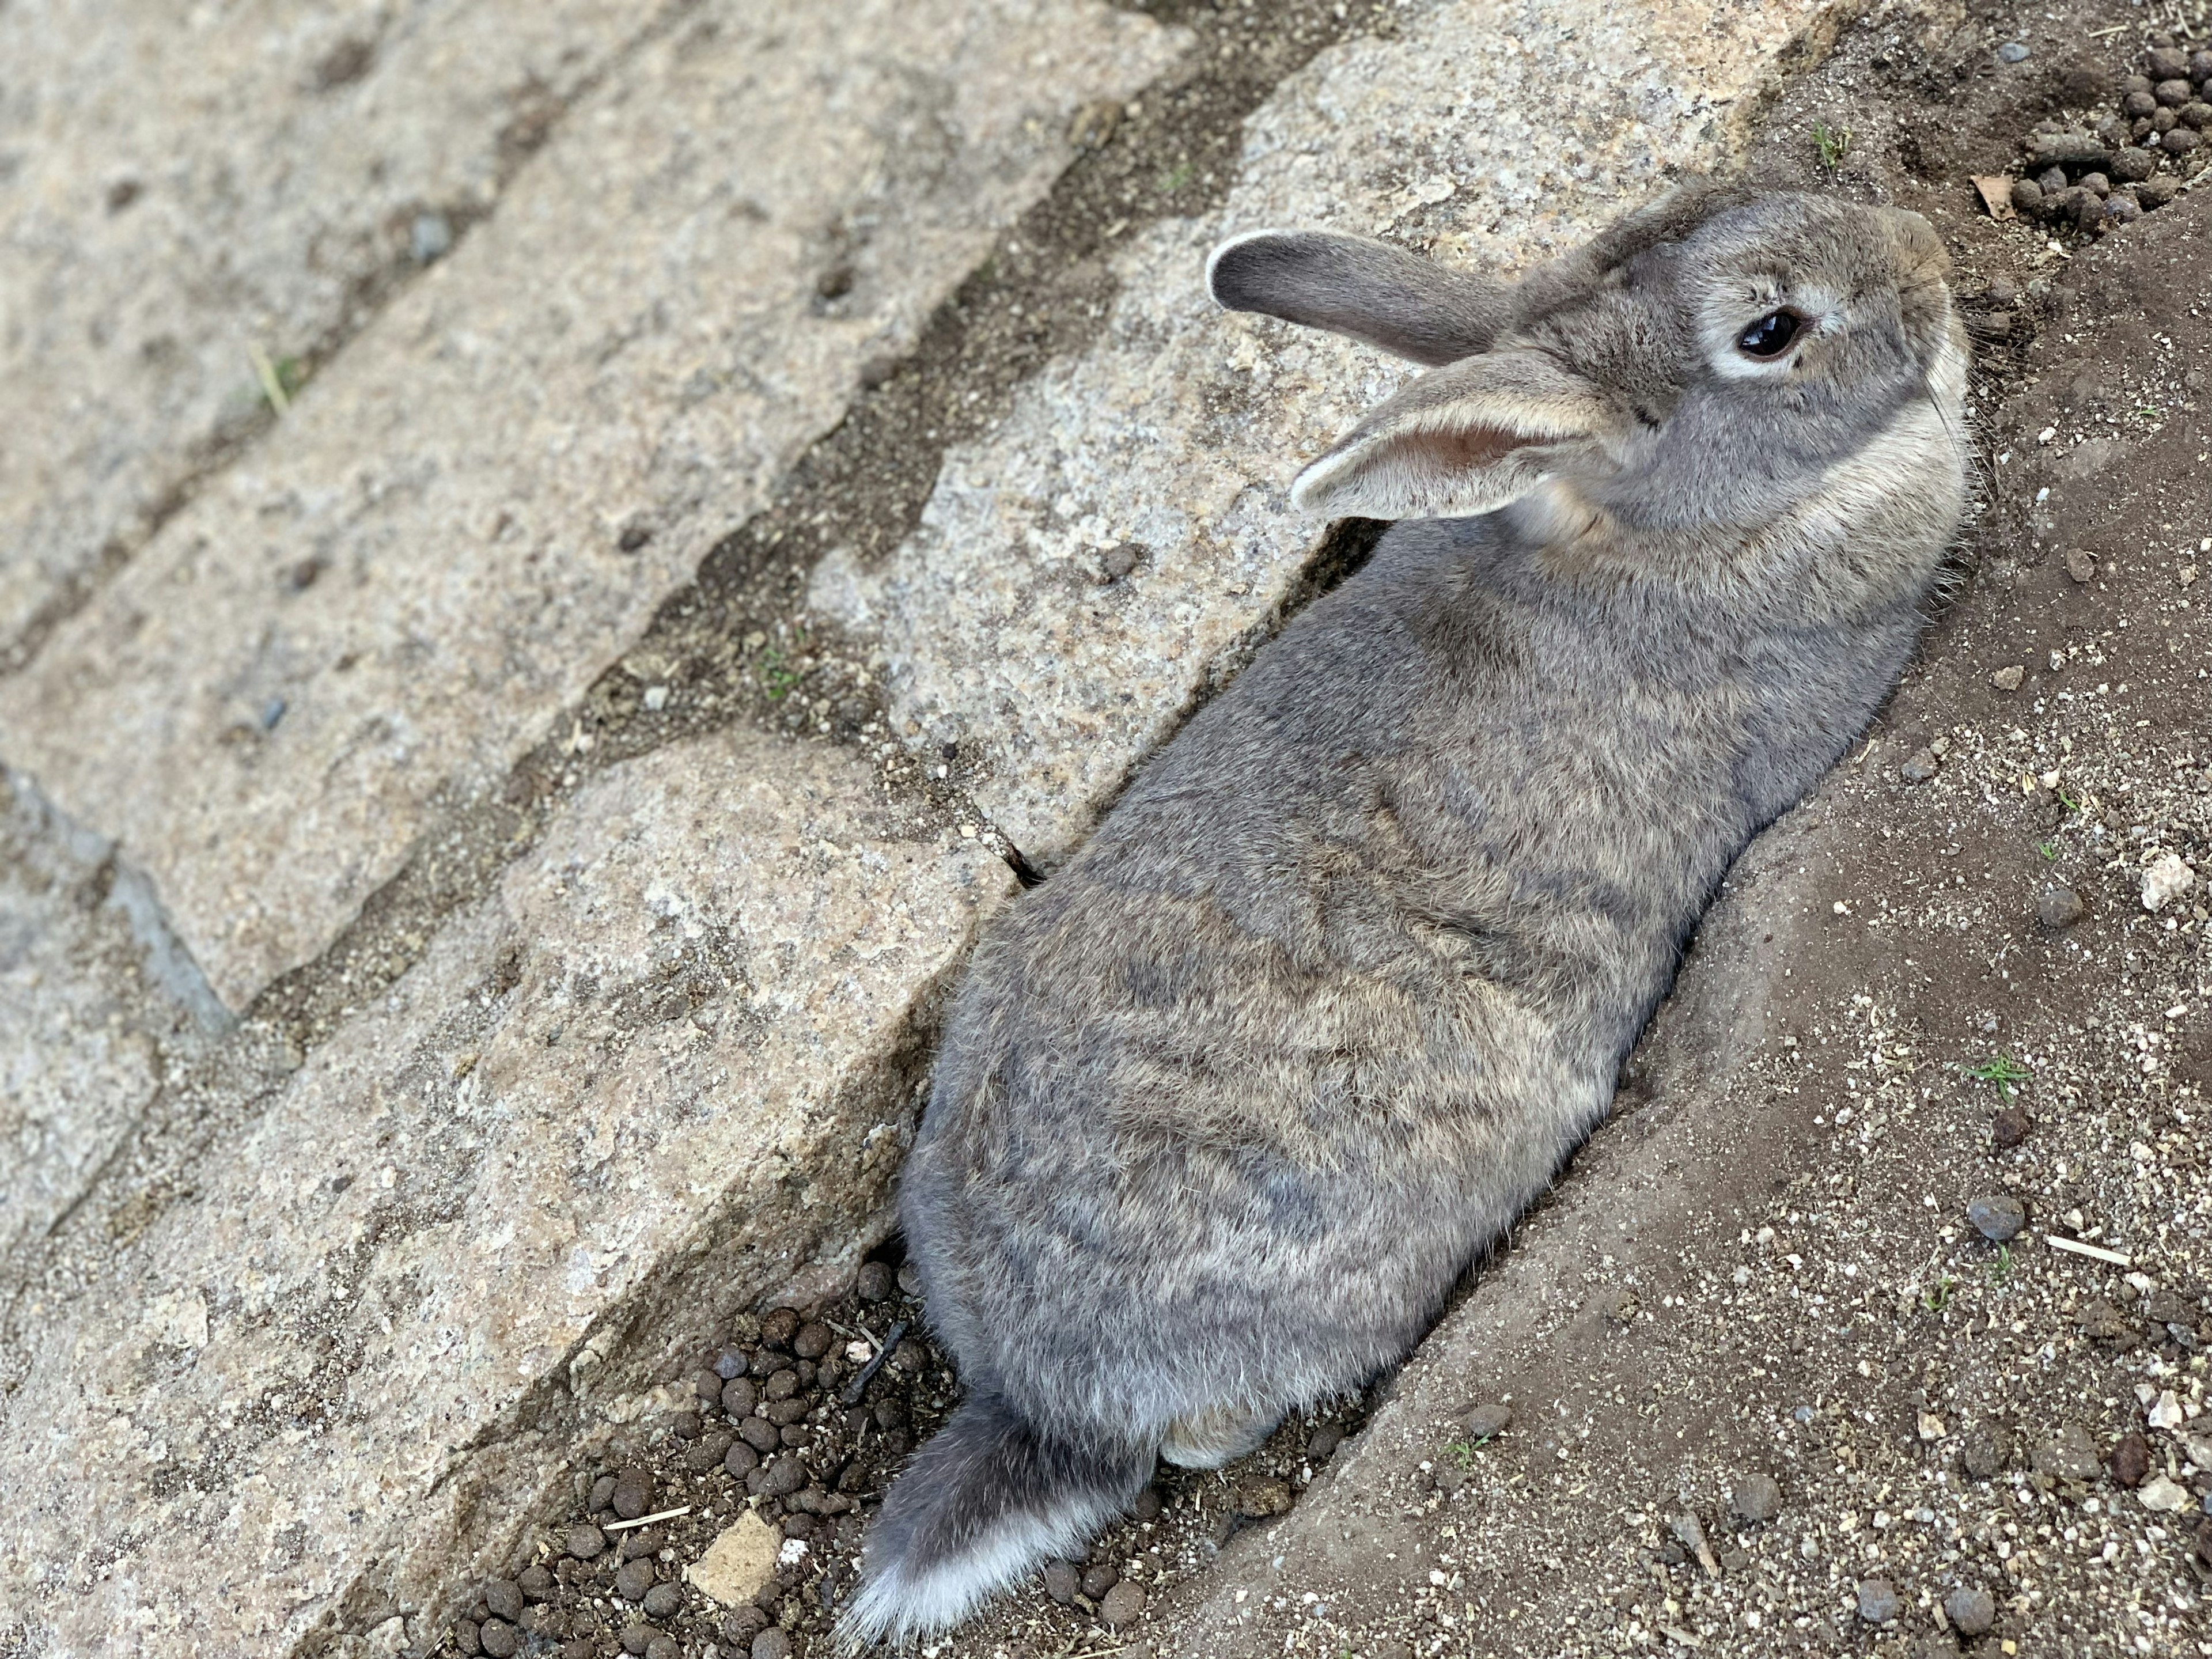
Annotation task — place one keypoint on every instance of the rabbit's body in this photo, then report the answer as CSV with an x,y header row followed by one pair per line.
x,y
1227,1106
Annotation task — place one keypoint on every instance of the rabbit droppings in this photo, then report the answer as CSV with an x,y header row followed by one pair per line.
x,y
1226,1106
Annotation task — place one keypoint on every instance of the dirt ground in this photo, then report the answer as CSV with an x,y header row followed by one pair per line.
x,y
1755,1378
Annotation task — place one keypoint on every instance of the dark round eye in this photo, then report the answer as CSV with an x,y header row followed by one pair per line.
x,y
1769,337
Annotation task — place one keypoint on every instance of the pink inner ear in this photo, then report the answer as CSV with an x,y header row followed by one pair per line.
x,y
1464,449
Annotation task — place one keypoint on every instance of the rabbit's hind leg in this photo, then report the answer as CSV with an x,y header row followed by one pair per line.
x,y
1218,1435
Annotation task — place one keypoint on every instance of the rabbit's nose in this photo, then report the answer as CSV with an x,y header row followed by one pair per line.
x,y
1921,254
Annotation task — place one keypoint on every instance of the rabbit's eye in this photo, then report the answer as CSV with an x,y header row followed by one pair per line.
x,y
1769,337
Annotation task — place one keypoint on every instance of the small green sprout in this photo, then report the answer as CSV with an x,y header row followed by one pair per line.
x,y
2001,1267
2050,853
1832,142
1177,177
1937,1296
776,680
2001,1069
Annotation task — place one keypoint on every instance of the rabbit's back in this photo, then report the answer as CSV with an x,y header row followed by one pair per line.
x,y
1351,967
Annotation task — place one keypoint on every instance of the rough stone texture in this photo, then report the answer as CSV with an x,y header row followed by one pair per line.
x,y
97,1001
439,547
1496,140
671,1039
180,183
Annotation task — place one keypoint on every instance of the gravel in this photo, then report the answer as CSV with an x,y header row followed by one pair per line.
x,y
1061,1582
2058,907
1878,1600
1972,1612
1997,1217
1123,1605
1757,1499
499,1638
633,1579
504,1597
632,1494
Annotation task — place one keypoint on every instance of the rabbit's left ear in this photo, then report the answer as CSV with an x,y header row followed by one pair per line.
x,y
1388,297
1466,440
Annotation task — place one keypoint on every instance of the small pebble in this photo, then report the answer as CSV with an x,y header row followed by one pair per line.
x,y
1122,1604
909,1279
2072,1455
633,1493
1325,1439
2082,565
1485,1422
646,1541
1061,1582
1972,1612
2096,184
1757,1499
2052,180
1982,1455
772,1643
1920,768
2008,678
1878,1600
780,1479
1260,1496
663,1647
1147,1506
2058,907
2181,140
2010,1127
1997,1217
2175,93
634,1579
2130,1459
760,1434
875,1282
2026,197
2132,166
500,1639
778,1327
586,1542
730,1363
663,1603
2164,62
636,1639
741,1398
467,1637
504,1597
2013,51
430,238
812,1342
1097,1580
535,1583
603,1493
741,1625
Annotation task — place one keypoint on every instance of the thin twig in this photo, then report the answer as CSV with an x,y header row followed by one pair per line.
x,y
272,386
2092,1250
645,1519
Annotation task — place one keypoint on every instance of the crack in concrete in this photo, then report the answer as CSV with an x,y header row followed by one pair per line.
x,y
208,455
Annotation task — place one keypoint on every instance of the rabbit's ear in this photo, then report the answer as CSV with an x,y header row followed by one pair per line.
x,y
1465,440
1408,305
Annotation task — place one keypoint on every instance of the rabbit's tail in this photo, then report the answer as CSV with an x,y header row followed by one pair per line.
x,y
987,1499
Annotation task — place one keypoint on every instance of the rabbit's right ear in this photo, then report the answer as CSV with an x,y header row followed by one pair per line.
x,y
1387,296
1466,440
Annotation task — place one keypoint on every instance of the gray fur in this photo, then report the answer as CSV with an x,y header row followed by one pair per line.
x,y
1387,296
1225,1107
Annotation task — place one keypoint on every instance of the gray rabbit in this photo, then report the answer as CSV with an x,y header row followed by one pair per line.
x,y
1226,1107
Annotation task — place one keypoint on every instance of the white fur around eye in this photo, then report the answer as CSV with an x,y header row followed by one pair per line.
x,y
1724,323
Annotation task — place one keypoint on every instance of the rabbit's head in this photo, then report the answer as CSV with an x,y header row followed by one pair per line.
x,y
1719,361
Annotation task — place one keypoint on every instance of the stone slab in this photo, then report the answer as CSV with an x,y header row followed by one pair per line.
x,y
181,184
1495,138
321,1388
480,503
97,1005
